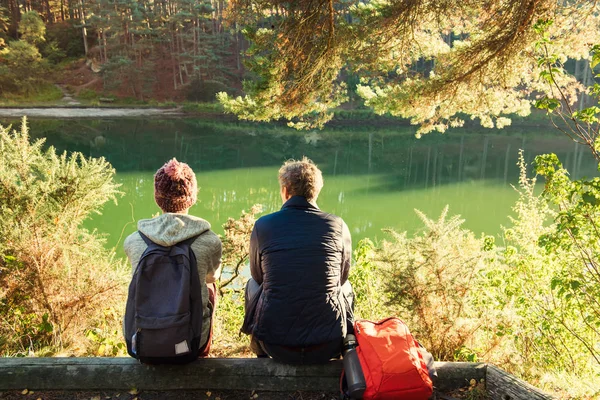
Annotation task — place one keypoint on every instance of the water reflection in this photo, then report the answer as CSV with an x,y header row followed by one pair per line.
x,y
373,177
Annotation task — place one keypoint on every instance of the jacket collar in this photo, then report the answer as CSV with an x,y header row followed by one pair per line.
x,y
298,202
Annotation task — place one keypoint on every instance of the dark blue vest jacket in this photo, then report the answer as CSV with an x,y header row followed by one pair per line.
x,y
301,256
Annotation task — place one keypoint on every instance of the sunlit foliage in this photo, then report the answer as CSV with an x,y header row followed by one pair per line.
x,y
57,280
430,61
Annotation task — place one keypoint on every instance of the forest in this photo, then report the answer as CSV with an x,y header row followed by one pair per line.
x,y
139,49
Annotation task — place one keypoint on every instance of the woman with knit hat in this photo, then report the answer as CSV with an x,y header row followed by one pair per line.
x,y
175,191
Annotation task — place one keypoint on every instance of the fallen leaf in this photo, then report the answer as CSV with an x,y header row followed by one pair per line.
x,y
133,391
25,391
208,394
95,398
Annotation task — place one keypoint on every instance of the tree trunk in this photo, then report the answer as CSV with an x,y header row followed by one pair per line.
x,y
173,60
49,15
15,18
104,45
71,9
83,29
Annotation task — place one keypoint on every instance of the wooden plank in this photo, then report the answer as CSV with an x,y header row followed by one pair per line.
x,y
501,385
126,373
454,375
208,373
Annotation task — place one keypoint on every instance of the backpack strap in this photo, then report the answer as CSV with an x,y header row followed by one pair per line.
x,y
148,241
188,241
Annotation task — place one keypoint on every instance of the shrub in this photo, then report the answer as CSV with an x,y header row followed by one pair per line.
x,y
367,283
548,282
230,309
21,68
575,239
56,277
229,317
236,248
32,28
433,282
205,91
52,52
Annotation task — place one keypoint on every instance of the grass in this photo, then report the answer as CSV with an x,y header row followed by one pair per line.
x,y
192,107
45,94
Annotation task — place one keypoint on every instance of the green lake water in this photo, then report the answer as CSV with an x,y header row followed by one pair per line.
x,y
374,176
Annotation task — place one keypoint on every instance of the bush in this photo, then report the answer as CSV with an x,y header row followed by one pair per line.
x,y
367,283
56,277
433,282
230,312
205,91
236,249
52,52
21,67
548,290
552,269
32,28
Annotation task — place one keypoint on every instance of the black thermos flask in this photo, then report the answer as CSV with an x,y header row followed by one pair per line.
x,y
352,369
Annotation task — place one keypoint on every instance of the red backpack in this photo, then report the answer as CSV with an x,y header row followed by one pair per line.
x,y
392,361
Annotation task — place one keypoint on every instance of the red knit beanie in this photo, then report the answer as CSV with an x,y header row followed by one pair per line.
x,y
175,187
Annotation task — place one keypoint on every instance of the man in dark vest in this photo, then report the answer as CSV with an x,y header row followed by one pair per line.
x,y
299,300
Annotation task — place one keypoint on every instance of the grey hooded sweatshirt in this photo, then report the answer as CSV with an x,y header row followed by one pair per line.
x,y
170,228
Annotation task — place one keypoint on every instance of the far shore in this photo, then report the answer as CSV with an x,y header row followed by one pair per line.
x,y
88,112
208,111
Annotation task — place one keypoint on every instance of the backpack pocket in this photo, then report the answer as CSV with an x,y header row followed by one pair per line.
x,y
169,336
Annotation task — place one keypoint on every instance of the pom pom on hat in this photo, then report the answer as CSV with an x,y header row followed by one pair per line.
x,y
175,187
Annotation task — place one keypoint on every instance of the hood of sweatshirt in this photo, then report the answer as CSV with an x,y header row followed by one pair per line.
x,y
170,228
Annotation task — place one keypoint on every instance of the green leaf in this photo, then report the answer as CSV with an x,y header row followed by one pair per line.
x,y
587,115
594,90
542,25
595,56
590,199
547,76
595,60
547,103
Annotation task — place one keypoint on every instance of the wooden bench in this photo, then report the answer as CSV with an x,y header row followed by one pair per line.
x,y
228,374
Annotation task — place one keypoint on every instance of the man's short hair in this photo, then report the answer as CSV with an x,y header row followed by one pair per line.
x,y
301,178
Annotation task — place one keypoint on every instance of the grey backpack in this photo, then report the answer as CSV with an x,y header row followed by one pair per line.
x,y
163,315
